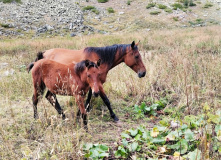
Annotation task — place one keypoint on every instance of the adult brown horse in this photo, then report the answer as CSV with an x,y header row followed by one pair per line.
x,y
110,56
72,80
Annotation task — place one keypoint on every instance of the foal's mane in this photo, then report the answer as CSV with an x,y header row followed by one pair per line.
x,y
107,54
80,67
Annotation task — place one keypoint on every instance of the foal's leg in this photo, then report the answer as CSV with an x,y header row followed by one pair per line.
x,y
87,104
35,102
80,102
107,102
54,102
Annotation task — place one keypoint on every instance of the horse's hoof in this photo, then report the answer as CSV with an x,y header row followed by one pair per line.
x,y
63,116
115,119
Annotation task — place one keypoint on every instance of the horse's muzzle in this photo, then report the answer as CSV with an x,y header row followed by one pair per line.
x,y
96,94
141,74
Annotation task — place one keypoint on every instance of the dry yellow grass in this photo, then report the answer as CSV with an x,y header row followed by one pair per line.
x,y
180,63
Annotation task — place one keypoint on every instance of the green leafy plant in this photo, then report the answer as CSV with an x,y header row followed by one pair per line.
x,y
4,25
110,10
175,18
150,5
155,12
102,1
95,151
128,2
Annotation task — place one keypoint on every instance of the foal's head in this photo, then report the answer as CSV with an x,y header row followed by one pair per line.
x,y
134,61
93,76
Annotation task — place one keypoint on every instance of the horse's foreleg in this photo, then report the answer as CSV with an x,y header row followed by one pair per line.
x,y
80,102
54,102
107,102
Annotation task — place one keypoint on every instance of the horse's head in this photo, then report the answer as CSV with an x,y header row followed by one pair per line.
x,y
93,76
134,61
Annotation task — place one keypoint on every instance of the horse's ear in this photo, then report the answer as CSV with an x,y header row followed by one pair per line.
x,y
132,44
138,43
87,62
99,62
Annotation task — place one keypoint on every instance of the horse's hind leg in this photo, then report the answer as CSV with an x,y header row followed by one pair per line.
x,y
54,102
35,102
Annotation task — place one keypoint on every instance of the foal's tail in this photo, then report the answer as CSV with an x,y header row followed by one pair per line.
x,y
30,66
39,56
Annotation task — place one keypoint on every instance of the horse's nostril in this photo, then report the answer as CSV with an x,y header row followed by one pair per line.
x,y
141,74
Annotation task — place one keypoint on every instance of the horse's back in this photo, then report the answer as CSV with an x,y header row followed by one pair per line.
x,y
64,56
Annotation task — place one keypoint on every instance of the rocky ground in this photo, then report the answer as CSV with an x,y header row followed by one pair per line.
x,y
68,17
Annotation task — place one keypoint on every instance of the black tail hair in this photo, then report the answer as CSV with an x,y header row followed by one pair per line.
x,y
39,56
30,66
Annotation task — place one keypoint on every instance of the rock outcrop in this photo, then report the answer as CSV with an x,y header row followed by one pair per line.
x,y
53,16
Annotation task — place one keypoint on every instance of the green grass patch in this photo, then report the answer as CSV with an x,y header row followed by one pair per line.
x,y
4,25
150,5
208,5
110,10
102,1
10,1
168,10
175,18
88,8
177,5
155,12
128,2
161,6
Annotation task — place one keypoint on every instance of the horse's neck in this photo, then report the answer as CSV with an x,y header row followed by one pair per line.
x,y
118,59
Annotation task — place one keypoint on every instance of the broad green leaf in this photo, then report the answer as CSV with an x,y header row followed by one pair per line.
x,y
124,142
142,106
161,128
189,135
158,140
184,127
133,132
87,146
164,123
154,106
195,155
147,109
206,107
125,135
94,153
134,146
104,147
102,155
137,137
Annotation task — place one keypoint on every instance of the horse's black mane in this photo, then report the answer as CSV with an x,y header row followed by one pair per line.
x,y
107,54
80,67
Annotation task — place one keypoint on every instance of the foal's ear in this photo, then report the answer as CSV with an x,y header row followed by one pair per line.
x,y
87,62
99,62
132,44
138,43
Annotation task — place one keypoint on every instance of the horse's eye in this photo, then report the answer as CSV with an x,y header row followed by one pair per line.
x,y
88,76
136,57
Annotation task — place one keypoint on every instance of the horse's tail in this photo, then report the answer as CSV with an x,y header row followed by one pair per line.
x,y
39,56
30,66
